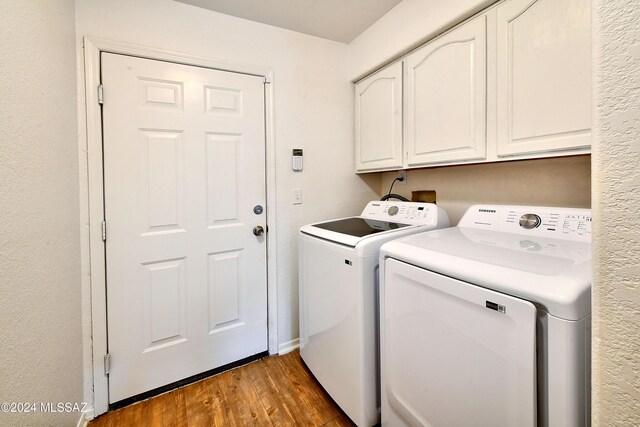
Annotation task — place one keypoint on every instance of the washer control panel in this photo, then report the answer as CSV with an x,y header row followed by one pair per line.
x,y
561,223
414,213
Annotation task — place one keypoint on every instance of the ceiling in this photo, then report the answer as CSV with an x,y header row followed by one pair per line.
x,y
339,20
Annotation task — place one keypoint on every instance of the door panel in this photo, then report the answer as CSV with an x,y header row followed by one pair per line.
x,y
448,358
544,75
184,165
446,97
379,120
165,313
161,160
222,170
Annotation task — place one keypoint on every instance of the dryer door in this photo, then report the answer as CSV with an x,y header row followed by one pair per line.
x,y
454,354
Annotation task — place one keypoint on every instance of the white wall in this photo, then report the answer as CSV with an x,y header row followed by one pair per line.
x,y
313,109
403,28
616,209
40,311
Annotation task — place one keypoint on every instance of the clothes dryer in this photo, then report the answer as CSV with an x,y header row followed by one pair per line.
x,y
488,323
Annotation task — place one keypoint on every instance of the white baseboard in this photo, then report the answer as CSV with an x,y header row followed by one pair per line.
x,y
86,416
287,347
83,421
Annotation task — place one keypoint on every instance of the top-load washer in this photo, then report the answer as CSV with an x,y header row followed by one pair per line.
x,y
488,323
338,299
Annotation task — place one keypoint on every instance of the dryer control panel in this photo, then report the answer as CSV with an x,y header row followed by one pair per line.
x,y
558,223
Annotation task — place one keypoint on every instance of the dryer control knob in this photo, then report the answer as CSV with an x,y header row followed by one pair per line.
x,y
392,210
530,221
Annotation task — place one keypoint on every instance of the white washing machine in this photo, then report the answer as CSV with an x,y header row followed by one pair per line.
x,y
338,299
488,323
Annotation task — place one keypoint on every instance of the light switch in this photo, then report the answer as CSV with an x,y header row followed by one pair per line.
x,y
297,196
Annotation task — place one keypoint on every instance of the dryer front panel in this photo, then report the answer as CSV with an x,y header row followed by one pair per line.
x,y
454,354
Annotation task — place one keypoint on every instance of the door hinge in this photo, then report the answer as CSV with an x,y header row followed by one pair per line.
x,y
266,80
107,363
100,94
104,231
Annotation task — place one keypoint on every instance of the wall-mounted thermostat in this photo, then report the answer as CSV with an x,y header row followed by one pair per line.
x,y
297,159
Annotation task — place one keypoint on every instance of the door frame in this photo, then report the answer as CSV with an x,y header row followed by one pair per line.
x,y
92,200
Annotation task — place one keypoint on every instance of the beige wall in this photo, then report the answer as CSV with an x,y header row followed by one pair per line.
x,y
40,314
616,209
561,181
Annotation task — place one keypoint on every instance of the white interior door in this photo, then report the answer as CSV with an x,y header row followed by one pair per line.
x,y
184,166
455,354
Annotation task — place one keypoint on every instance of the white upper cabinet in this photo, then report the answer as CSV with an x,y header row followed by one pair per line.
x,y
543,76
379,120
513,82
446,97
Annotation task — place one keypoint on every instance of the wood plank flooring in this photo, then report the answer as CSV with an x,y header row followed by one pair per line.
x,y
275,391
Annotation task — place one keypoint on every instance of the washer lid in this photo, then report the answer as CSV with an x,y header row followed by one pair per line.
x,y
359,227
554,273
352,230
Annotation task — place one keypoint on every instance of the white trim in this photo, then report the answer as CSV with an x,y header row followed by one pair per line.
x,y
92,207
272,288
288,347
85,417
179,58
95,217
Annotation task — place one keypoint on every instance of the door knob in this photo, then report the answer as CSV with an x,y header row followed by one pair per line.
x,y
258,230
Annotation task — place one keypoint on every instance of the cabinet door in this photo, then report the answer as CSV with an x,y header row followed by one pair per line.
x,y
543,75
379,120
446,97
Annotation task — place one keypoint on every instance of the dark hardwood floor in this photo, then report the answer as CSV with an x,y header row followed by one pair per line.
x,y
275,391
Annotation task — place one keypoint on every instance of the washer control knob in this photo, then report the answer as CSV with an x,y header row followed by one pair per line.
x,y
392,210
530,221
